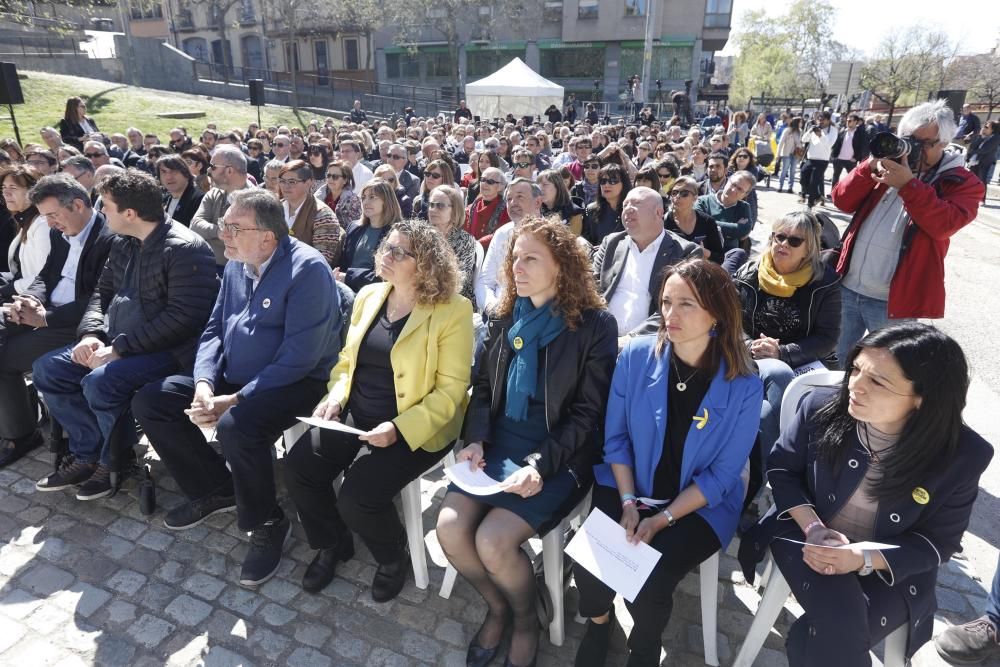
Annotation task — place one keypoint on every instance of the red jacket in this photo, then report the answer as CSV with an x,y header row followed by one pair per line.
x,y
936,212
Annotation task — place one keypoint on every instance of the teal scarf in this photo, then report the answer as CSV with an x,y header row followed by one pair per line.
x,y
533,329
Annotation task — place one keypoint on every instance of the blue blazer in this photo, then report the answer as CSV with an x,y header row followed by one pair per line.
x,y
714,455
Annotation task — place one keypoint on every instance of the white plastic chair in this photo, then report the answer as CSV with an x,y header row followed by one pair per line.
x,y
776,589
412,510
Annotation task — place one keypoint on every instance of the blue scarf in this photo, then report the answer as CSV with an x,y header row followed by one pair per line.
x,y
533,329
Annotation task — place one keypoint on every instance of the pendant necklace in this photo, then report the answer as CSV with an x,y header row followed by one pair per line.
x,y
682,384
866,443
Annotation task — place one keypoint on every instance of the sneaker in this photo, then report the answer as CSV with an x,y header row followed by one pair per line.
x,y
193,512
969,644
98,486
71,473
264,556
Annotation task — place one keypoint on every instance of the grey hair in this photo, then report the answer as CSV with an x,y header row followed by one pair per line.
x,y
97,144
79,163
502,177
63,187
930,113
536,189
232,157
808,226
266,209
273,165
744,175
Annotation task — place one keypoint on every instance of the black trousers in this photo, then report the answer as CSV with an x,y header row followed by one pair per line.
x,y
812,180
247,432
371,483
840,166
685,546
845,615
20,346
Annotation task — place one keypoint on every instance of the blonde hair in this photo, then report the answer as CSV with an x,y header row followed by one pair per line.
x,y
437,278
457,205
806,224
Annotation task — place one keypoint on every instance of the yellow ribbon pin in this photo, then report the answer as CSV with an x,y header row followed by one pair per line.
x,y
701,421
518,343
921,496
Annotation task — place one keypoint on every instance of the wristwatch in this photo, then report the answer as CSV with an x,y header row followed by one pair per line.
x,y
867,569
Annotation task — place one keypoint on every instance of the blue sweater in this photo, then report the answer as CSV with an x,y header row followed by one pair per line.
x,y
714,455
286,330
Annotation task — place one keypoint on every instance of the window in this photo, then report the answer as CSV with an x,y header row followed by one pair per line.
x,y
322,63
438,64
585,63
588,9
553,11
668,63
635,7
718,13
352,54
292,55
144,9
401,66
484,63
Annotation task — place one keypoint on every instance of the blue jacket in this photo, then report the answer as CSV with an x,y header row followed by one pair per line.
x,y
714,456
286,330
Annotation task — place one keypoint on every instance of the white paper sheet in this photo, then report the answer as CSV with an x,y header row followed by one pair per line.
x,y
809,368
600,546
476,482
332,425
870,546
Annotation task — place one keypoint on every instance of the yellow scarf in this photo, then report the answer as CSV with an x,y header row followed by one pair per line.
x,y
776,284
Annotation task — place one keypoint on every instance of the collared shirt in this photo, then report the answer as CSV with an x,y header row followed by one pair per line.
x,y
65,290
255,275
290,215
630,302
172,205
847,148
362,175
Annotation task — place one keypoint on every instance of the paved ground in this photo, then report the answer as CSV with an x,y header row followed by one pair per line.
x,y
99,584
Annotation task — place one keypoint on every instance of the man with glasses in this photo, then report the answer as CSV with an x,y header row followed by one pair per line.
x,y
350,152
266,353
97,153
524,165
82,170
729,211
43,161
628,264
228,172
281,147
904,213
152,301
397,159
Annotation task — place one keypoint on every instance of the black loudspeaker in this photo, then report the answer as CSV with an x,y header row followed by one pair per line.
x,y
257,92
955,98
10,85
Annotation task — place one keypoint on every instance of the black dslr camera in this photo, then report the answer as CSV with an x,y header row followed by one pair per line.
x,y
887,146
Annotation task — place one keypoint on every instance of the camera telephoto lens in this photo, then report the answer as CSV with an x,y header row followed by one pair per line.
x,y
887,146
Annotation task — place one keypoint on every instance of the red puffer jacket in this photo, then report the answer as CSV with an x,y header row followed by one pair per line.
x,y
936,211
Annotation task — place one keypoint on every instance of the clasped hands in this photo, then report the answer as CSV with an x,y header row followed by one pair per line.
x,y
765,348
92,353
26,310
382,435
830,561
207,408
525,481
638,529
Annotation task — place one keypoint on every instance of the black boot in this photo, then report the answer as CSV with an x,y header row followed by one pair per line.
x,y
596,642
389,579
320,572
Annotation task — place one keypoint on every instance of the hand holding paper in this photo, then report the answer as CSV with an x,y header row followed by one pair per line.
x,y
328,424
472,480
601,547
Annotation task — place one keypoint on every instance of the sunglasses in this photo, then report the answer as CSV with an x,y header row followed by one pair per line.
x,y
433,174
595,165
584,146
663,175
93,155
522,165
791,241
489,181
398,254
609,181
681,193
334,177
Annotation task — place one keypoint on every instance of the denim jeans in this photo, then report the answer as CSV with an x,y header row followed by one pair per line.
x,y
789,166
993,603
88,403
776,376
859,314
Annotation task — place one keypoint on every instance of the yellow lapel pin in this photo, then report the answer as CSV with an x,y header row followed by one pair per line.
x,y
920,496
701,421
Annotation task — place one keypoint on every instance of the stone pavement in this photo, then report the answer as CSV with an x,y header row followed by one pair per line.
x,y
97,583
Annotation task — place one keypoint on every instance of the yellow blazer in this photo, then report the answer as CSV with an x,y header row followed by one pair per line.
x,y
432,360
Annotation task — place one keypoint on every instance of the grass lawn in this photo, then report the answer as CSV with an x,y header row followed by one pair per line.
x,y
115,107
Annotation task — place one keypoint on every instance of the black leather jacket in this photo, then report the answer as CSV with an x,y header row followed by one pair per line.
x,y
578,366
176,288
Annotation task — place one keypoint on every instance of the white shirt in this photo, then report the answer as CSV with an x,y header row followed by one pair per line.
x,y
490,282
290,215
362,175
630,302
172,206
819,147
847,148
31,254
65,290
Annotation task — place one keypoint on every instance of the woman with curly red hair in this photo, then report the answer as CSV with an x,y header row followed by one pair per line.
x,y
534,423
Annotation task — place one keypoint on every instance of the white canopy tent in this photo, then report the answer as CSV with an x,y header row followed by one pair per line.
x,y
513,89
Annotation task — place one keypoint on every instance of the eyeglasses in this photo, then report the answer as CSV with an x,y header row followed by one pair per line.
x,y
791,241
334,177
398,254
584,146
212,165
522,165
280,145
609,181
593,165
289,182
433,174
235,229
435,205
681,193
93,155
38,163
489,181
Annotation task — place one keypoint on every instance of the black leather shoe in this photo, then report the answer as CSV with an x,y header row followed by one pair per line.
x,y
390,579
320,572
478,655
508,663
16,449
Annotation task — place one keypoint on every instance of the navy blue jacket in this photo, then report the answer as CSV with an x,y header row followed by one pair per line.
x,y
357,277
927,534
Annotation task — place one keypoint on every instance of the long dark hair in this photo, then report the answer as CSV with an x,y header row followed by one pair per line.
x,y
936,366
616,171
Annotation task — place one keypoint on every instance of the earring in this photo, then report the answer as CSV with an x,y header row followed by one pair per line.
x,y
714,331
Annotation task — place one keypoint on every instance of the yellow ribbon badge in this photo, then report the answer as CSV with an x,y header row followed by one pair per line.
x,y
701,421
921,496
518,343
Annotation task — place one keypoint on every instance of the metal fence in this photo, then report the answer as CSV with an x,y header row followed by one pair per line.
x,y
38,45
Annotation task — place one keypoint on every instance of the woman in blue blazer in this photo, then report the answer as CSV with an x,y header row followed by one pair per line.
x,y
682,416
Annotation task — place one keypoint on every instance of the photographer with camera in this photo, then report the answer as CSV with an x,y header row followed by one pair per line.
x,y
907,200
818,140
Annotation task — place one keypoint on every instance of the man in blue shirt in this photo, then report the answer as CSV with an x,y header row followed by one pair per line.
x,y
263,360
